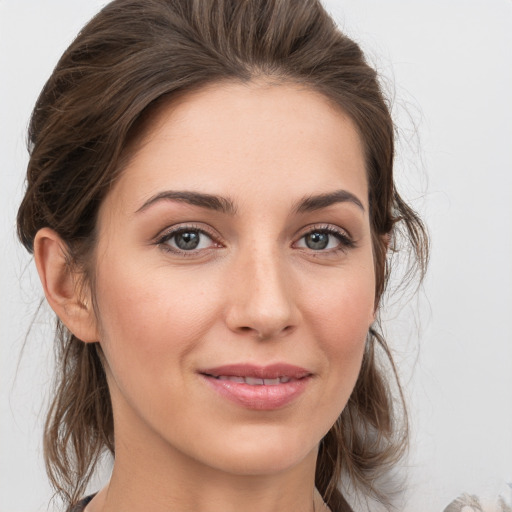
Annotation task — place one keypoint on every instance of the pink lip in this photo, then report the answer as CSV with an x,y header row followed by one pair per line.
x,y
260,397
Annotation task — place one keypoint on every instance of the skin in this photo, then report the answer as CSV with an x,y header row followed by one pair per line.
x,y
252,292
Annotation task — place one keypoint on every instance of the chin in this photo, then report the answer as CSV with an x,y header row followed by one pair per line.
x,y
262,453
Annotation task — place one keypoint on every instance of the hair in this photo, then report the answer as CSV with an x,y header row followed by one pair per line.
x,y
131,56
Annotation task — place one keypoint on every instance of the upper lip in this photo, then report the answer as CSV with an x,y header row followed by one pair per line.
x,y
272,371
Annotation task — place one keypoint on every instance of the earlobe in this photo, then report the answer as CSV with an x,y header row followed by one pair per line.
x,y
60,284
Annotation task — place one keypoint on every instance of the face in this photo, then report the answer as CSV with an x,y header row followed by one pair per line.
x,y
234,278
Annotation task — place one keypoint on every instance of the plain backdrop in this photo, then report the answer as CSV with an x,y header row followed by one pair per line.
x,y
447,66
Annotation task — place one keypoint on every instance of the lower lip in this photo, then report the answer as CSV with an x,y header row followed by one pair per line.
x,y
263,398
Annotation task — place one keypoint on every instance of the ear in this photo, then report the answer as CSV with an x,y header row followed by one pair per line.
x,y
60,284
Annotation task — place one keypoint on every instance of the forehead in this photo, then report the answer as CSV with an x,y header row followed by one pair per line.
x,y
230,136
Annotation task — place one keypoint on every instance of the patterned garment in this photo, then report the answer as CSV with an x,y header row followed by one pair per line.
x,y
472,503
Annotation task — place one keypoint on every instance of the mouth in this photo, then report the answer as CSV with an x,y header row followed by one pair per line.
x,y
258,375
258,387
253,381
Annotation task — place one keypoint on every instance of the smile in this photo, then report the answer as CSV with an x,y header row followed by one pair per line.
x,y
254,381
262,388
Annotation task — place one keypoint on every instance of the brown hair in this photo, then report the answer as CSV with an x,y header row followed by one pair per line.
x,y
130,55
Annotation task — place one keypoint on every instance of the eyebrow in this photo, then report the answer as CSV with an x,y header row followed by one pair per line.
x,y
319,201
209,201
226,205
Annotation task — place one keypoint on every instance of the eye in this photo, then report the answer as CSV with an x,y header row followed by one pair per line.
x,y
186,239
325,239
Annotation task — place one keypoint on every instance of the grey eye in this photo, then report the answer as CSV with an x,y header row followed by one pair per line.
x,y
325,240
187,240
317,240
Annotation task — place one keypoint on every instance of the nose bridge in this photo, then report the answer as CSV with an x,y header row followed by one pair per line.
x,y
261,298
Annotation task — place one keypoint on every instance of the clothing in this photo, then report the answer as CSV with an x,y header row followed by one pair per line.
x,y
80,506
471,503
465,503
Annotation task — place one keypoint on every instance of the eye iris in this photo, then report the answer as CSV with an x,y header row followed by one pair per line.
x,y
187,240
317,240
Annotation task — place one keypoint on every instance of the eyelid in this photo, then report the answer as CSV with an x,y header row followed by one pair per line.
x,y
345,238
325,227
171,231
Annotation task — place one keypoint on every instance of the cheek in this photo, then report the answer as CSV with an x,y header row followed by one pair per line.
x,y
340,314
342,306
150,322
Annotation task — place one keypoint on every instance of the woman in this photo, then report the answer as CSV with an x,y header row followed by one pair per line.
x,y
210,203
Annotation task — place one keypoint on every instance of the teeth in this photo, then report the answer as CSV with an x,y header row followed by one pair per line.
x,y
254,381
232,379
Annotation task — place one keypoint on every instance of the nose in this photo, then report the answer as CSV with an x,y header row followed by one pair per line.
x,y
262,299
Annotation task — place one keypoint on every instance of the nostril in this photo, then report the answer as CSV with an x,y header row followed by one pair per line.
x,y
263,334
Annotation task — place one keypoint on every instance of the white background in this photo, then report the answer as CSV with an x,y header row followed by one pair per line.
x,y
448,65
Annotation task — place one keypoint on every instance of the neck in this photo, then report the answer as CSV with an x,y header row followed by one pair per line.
x,y
158,478
150,473
182,490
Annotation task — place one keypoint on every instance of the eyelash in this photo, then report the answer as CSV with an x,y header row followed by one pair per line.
x,y
345,241
171,233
